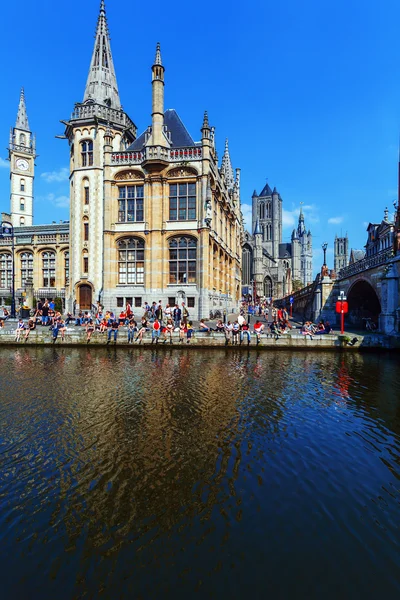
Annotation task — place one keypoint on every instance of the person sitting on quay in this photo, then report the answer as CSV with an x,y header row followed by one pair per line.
x,y
219,328
68,319
19,330
31,326
132,328
275,329
189,332
142,330
55,330
323,328
62,327
308,329
228,332
4,317
168,312
235,332
113,326
182,331
155,334
103,325
258,330
122,318
203,327
245,331
89,330
169,328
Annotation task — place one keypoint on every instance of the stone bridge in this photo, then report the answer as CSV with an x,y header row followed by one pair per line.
x,y
371,286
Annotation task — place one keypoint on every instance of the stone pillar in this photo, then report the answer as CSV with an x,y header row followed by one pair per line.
x,y
389,300
29,300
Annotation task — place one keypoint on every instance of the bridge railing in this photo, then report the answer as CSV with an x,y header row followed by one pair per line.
x,y
369,262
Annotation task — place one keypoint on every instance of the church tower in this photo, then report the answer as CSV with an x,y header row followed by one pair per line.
x,y
97,124
341,253
22,168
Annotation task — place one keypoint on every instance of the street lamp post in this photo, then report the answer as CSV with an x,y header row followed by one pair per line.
x,y
324,248
8,230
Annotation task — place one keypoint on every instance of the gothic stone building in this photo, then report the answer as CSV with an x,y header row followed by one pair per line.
x,y
269,266
152,216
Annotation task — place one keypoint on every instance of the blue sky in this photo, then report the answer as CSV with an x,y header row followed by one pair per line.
x,y
307,93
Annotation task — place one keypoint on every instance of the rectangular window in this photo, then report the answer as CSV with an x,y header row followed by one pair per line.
x,y
22,204
128,301
120,302
190,302
130,204
86,232
182,201
85,264
171,301
86,195
22,185
138,301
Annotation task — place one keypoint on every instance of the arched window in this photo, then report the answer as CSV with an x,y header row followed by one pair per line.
x,y
86,192
87,153
130,203
49,269
246,266
22,139
268,287
66,268
85,263
22,185
182,260
5,270
21,221
26,267
85,231
262,210
21,204
131,261
269,212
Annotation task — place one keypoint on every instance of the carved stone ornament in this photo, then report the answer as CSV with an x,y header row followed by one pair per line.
x,y
182,172
128,175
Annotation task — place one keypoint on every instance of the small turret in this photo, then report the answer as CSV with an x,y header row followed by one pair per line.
x,y
226,167
257,228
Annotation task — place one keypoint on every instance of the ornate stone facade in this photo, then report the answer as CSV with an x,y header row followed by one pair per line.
x,y
152,217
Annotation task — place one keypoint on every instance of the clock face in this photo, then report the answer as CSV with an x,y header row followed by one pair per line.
x,y
22,164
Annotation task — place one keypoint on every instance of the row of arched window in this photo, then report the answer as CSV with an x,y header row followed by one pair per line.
x,y
24,262
265,210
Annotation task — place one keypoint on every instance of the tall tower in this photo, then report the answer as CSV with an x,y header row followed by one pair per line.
x,y
341,252
96,124
306,253
22,156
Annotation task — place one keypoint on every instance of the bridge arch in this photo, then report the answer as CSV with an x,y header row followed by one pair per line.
x,y
363,303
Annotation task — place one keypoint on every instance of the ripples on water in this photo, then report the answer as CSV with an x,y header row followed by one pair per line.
x,y
166,474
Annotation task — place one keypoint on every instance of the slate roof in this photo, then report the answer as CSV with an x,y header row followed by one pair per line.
x,y
356,255
180,137
266,191
285,250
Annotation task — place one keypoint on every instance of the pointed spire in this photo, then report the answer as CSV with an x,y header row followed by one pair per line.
x,y
386,215
226,167
257,228
157,60
22,117
275,191
206,124
254,194
101,85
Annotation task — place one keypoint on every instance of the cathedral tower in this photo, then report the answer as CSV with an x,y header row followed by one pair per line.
x,y
341,253
97,124
22,168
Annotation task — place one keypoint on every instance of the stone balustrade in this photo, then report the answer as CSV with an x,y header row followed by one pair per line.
x,y
369,262
175,155
112,115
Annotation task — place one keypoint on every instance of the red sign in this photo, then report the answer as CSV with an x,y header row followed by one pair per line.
x,y
342,307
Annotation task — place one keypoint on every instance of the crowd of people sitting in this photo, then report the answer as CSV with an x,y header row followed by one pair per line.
x,y
162,322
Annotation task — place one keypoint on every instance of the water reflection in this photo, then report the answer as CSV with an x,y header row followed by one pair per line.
x,y
166,474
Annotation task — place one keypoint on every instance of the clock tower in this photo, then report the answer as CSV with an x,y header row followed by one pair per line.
x,y
22,168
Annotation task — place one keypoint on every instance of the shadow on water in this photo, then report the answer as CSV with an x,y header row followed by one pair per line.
x,y
208,474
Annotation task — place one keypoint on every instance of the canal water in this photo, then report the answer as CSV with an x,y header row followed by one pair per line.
x,y
198,474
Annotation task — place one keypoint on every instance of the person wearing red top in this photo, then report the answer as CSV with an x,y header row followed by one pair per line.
x,y
155,334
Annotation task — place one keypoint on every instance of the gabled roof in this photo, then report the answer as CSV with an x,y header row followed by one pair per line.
x,y
180,137
356,255
266,191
